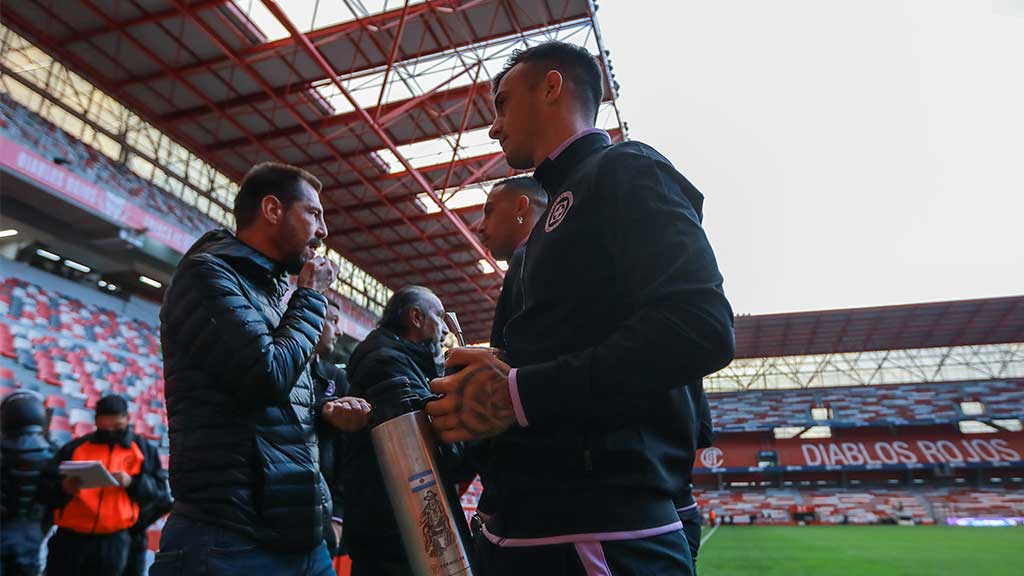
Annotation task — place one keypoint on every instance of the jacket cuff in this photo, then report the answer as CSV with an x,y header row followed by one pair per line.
x,y
310,293
517,404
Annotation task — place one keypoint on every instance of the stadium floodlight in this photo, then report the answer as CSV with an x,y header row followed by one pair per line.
x,y
150,282
102,283
76,266
8,233
47,254
111,287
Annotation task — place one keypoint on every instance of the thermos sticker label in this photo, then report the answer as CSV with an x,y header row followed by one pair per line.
x,y
421,481
437,533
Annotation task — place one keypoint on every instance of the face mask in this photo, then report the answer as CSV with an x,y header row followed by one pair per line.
x,y
110,436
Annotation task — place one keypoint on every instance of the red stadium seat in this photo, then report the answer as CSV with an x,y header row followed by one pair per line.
x,y
53,401
7,342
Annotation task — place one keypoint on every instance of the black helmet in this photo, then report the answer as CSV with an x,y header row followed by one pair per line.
x,y
20,409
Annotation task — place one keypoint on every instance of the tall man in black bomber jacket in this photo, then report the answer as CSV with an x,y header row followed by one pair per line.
x,y
595,414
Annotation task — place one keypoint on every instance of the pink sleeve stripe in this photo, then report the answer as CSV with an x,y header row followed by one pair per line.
x,y
517,405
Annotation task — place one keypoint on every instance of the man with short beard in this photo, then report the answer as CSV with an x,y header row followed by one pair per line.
x,y
249,497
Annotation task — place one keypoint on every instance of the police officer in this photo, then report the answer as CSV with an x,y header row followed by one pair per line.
x,y
24,451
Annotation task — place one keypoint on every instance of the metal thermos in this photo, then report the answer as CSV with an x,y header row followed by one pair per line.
x,y
407,453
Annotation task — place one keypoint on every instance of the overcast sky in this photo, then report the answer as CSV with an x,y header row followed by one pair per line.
x,y
851,153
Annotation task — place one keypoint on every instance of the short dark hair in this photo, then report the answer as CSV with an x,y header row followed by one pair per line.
x,y
396,311
574,63
530,187
265,179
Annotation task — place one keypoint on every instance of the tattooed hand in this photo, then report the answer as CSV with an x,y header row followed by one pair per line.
x,y
476,402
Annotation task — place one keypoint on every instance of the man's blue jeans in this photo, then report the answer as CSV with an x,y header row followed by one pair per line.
x,y
196,548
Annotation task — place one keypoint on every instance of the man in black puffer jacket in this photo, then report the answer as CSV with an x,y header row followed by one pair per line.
x,y
249,497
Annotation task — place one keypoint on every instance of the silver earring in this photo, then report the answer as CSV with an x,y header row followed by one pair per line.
x,y
519,219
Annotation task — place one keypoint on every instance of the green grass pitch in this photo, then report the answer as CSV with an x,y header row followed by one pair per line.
x,y
862,551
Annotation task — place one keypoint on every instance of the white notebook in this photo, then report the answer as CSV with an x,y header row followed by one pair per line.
x,y
92,473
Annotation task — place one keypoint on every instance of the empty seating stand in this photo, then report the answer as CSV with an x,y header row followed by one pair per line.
x,y
897,405
27,128
78,352
862,506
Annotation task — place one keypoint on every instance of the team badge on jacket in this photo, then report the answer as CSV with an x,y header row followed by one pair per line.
x,y
558,211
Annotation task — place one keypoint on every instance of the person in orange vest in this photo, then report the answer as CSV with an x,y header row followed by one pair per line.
x,y
93,524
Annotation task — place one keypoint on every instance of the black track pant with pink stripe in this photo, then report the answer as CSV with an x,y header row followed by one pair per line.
x,y
664,555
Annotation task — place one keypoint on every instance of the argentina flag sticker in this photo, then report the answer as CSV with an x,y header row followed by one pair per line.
x,y
421,481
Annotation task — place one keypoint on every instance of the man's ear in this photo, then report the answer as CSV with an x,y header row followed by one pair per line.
x,y
553,86
416,318
522,205
272,209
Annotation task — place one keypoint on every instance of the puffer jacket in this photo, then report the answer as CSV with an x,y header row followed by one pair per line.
x,y
240,397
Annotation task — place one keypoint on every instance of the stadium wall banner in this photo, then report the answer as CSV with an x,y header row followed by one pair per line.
x,y
869,449
112,206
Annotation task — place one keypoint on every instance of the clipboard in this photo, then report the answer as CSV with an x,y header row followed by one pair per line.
x,y
92,473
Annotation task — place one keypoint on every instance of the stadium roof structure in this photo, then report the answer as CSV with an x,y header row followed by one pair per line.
x,y
912,326
389,106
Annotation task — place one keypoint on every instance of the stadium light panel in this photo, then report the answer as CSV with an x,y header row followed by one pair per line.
x,y
102,283
817,432
787,432
1012,425
975,427
111,287
150,282
821,413
8,233
972,408
76,266
47,254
